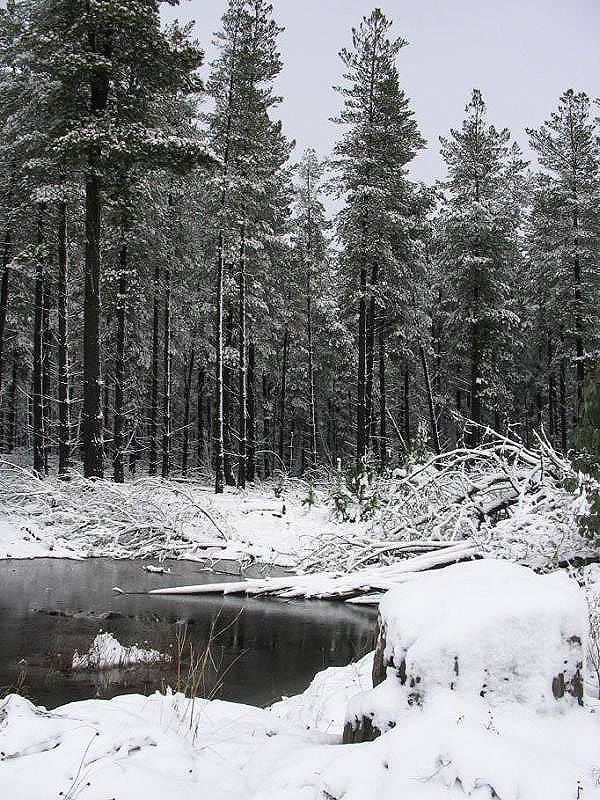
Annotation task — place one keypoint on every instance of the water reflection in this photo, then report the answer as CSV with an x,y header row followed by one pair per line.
x,y
49,608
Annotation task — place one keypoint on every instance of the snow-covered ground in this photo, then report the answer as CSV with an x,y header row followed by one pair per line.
x,y
169,748
252,525
521,741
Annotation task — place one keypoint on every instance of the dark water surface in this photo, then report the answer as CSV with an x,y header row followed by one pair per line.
x,y
51,607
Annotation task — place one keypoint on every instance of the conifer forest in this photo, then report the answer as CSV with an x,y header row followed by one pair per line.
x,y
176,298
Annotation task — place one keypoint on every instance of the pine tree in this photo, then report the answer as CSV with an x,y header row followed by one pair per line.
x,y
567,149
381,139
480,222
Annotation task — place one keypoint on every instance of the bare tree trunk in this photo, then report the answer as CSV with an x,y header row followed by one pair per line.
x,y
267,410
166,415
251,453
563,407
311,370
362,357
12,422
119,417
91,417
434,428
370,360
200,418
382,398
186,415
64,412
219,445
46,387
3,306
407,407
38,316
153,459
227,403
282,398
242,374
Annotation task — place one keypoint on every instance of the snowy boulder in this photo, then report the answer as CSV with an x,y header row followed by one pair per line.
x,y
486,629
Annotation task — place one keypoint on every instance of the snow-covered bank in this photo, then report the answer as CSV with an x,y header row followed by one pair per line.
x,y
168,748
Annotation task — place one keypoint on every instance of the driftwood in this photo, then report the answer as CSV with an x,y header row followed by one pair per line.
x,y
372,582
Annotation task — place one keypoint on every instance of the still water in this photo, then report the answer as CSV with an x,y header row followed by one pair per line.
x,y
49,608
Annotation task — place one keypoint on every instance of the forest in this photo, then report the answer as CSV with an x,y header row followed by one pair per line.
x,y
177,297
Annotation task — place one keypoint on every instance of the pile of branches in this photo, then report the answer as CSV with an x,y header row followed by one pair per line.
x,y
146,518
527,504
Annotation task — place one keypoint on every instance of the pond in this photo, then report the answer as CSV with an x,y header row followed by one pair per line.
x,y
259,649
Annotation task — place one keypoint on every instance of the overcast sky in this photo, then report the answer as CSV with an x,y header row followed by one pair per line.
x,y
521,53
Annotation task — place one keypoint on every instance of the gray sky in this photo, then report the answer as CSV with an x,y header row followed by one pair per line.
x,y
521,53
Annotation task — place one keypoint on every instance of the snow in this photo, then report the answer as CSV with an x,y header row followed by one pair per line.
x,y
168,748
515,742
106,652
488,626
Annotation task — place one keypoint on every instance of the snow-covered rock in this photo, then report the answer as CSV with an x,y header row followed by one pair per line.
x,y
488,629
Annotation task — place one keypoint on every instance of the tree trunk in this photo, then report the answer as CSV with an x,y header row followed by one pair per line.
x,y
434,428
251,453
362,355
4,305
118,451
166,415
219,444
38,316
46,383
64,412
407,407
563,407
200,417
12,421
242,373
382,398
282,398
370,361
266,396
91,416
227,403
153,460
311,370
186,414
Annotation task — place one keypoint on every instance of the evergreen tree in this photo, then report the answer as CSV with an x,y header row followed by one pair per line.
x,y
381,138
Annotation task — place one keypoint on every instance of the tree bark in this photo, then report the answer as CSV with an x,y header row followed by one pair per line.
x,y
119,417
166,411
4,303
382,398
370,360
242,372
91,416
12,421
282,398
64,412
153,460
186,414
38,420
407,407
267,410
362,356
251,452
434,428
200,417
219,444
227,403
